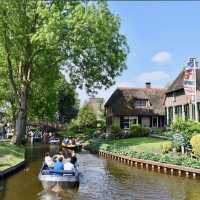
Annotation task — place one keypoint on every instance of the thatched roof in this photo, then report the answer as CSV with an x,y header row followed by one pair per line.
x,y
178,82
121,100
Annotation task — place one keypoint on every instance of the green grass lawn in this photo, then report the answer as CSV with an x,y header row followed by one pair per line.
x,y
143,144
10,155
140,144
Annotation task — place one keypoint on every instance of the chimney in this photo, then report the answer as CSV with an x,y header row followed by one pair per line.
x,y
148,85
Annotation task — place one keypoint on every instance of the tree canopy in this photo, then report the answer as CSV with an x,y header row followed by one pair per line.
x,y
42,37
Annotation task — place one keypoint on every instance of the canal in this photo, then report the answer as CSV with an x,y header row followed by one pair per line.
x,y
100,180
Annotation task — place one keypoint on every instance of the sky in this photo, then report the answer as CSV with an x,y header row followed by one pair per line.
x,y
161,35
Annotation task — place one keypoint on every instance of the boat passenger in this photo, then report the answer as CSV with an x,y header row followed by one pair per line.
x,y
73,158
68,166
70,141
59,165
57,156
48,160
66,140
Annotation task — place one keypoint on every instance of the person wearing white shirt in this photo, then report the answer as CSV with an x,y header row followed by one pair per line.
x,y
48,160
68,166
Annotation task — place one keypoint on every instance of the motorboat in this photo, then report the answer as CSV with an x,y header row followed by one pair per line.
x,y
69,146
65,178
54,141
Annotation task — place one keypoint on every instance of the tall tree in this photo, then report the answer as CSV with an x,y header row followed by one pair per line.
x,y
38,35
68,103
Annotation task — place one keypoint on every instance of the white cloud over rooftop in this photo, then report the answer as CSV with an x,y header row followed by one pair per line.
x,y
161,57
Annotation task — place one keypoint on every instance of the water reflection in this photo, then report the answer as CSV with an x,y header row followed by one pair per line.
x,y
101,179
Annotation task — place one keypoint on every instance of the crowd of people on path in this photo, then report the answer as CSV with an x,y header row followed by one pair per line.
x,y
60,162
5,131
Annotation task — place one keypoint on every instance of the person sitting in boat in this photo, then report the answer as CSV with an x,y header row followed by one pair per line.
x,y
48,160
59,166
66,140
73,141
70,141
68,166
57,156
73,158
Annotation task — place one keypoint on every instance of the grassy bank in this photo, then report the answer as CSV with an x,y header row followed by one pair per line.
x,y
10,155
143,148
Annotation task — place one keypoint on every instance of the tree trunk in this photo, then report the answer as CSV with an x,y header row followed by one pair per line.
x,y
20,126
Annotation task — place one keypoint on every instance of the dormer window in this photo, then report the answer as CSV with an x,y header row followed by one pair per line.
x,y
141,103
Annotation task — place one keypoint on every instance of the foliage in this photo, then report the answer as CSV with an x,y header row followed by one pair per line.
x,y
195,142
178,141
116,131
68,103
187,128
147,155
166,147
145,131
88,131
74,125
36,36
138,131
135,130
86,118
168,134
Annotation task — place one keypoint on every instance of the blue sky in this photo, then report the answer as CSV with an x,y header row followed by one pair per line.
x,y
161,35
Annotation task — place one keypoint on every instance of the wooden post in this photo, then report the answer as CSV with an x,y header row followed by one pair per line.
x,y
158,168
194,175
165,170
179,172
152,167
187,174
172,171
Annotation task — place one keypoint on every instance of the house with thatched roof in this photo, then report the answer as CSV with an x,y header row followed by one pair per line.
x,y
177,103
136,105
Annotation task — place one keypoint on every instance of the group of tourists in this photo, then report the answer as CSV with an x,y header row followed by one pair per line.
x,y
60,161
5,131
70,141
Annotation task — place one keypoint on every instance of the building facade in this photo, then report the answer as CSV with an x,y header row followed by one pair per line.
x,y
177,104
136,105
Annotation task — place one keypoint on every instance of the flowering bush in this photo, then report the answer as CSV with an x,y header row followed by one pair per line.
x,y
195,142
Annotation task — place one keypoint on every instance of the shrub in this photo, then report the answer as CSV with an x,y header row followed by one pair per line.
x,y
135,130
187,128
166,147
145,131
195,142
178,141
116,131
88,131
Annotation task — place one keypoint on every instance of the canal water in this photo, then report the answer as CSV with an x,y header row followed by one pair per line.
x,y
100,180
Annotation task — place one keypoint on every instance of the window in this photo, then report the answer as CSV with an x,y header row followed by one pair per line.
x,y
155,121
178,111
140,103
170,113
125,122
186,110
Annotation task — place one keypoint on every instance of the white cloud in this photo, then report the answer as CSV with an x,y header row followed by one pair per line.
x,y
153,76
161,57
